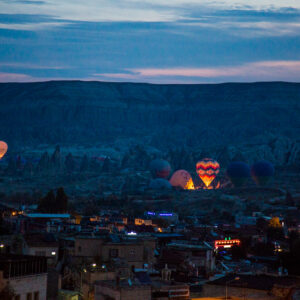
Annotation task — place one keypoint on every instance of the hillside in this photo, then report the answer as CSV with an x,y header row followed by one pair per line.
x,y
214,115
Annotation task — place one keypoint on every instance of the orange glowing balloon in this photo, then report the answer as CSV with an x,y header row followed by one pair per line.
x,y
183,179
3,148
207,169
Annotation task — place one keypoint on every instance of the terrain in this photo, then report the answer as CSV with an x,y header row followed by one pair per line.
x,y
129,124
255,117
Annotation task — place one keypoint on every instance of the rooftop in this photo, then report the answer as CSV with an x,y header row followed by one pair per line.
x,y
258,282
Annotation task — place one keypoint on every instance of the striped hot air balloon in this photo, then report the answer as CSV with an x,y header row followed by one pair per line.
x,y
207,169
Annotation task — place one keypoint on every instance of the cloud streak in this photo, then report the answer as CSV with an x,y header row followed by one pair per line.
x,y
14,77
263,70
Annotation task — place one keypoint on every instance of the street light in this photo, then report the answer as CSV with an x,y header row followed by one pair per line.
x,y
235,278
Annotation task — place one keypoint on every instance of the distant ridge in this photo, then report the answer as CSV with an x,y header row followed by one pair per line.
x,y
92,112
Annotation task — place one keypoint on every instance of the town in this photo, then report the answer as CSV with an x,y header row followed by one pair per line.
x,y
173,239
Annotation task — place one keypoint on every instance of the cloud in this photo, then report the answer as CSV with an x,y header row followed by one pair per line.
x,y
29,66
263,70
14,77
136,11
31,27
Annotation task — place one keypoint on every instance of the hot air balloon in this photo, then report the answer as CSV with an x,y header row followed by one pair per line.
x,y
262,171
160,184
207,169
238,172
160,168
183,179
3,148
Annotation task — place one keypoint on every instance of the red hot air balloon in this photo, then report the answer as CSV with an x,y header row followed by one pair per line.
x,y
3,148
160,168
207,169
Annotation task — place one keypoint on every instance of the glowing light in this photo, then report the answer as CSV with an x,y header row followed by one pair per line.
x,y
207,169
94,265
53,253
131,233
1,245
151,213
166,215
190,185
227,243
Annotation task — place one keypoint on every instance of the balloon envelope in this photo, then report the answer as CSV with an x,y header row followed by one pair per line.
x,y
238,172
3,148
160,168
262,171
183,179
159,184
207,169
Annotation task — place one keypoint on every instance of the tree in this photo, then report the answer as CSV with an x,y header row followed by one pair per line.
x,y
61,200
48,203
52,203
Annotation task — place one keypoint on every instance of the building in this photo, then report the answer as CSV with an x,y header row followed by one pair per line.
x,y
122,289
141,288
134,251
41,245
197,257
25,275
241,286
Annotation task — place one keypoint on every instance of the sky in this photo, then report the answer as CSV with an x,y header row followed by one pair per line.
x,y
156,41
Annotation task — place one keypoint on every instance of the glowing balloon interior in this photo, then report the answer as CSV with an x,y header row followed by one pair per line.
x,y
3,148
207,169
183,179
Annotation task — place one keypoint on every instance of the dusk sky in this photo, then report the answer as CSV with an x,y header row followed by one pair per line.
x,y
159,41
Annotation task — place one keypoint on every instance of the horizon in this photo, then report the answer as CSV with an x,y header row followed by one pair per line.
x,y
149,83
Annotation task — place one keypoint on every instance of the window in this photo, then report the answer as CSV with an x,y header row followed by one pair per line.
x,y
132,251
79,248
17,297
113,253
40,253
36,296
29,296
